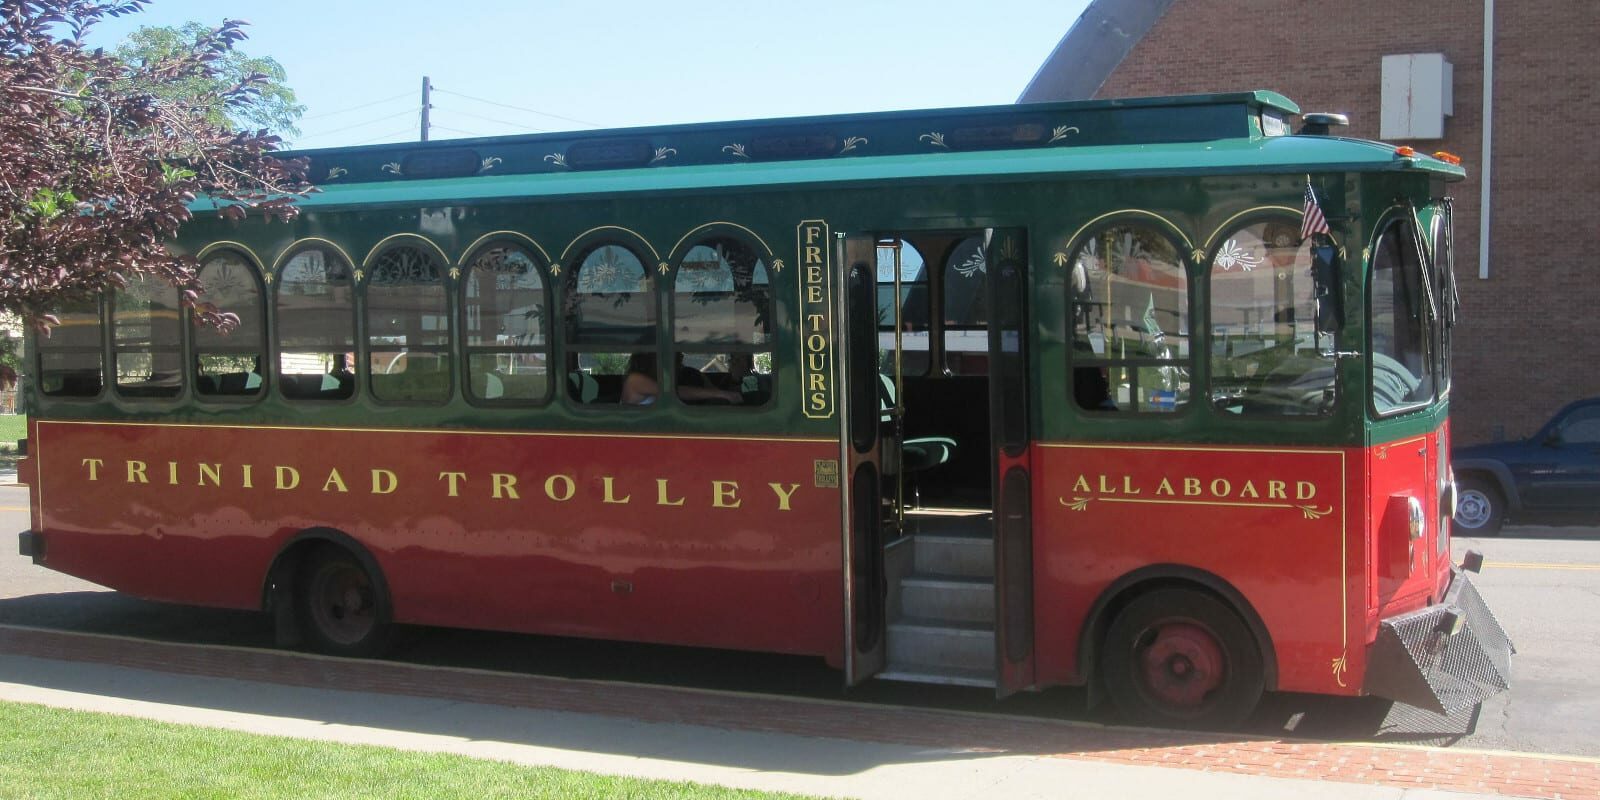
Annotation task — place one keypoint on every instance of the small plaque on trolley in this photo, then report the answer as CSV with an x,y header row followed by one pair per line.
x,y
826,473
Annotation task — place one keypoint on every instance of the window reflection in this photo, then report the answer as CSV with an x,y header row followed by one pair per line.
x,y
1264,345
1130,310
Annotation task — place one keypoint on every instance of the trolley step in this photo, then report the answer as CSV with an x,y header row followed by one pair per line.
x,y
941,644
944,676
955,555
947,597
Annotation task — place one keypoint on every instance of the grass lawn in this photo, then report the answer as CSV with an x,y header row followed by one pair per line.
x,y
12,428
53,753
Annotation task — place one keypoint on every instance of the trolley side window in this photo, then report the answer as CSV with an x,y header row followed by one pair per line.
x,y
70,357
228,358
506,325
610,313
316,327
146,338
722,325
408,327
1264,350
1130,309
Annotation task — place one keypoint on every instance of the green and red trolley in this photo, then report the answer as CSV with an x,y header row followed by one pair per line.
x,y
1013,396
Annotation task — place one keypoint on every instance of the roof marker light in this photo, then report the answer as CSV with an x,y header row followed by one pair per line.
x,y
1448,157
1404,152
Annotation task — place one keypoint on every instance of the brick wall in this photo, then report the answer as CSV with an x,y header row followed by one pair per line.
x,y
1524,347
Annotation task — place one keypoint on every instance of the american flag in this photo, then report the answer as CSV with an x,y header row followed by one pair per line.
x,y
1313,221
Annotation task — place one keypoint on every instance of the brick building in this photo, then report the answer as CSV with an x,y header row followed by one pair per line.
x,y
1522,350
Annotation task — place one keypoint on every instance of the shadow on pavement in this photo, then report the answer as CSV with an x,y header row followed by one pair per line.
x,y
1280,714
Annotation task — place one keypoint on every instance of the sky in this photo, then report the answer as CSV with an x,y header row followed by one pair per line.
x,y
501,66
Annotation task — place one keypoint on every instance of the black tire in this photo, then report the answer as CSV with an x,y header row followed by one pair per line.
x,y
342,606
1480,508
1181,658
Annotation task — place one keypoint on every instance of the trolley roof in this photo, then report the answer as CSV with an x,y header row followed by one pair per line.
x,y
1187,135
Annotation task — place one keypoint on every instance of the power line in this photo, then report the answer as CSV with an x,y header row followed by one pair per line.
x,y
492,119
455,130
517,108
385,136
357,108
359,124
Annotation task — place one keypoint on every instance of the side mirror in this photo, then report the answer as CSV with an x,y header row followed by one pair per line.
x,y
1325,288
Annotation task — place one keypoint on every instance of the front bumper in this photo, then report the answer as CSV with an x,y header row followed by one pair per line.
x,y
1442,658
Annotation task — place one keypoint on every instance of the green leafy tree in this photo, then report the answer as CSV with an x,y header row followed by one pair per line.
x,y
98,169
272,107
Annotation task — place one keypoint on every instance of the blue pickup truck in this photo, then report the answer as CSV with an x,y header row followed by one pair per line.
x,y
1550,477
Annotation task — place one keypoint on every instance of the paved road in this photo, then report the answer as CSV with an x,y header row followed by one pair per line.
x,y
1544,583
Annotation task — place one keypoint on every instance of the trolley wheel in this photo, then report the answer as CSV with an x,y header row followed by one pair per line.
x,y
1182,658
343,610
1480,508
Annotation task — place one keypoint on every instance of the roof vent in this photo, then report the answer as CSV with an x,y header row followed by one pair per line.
x,y
452,163
1317,124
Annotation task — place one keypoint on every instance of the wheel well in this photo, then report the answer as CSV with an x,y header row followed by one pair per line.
x,y
1168,576
277,586
1493,473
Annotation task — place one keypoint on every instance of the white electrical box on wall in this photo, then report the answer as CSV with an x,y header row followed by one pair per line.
x,y
1416,96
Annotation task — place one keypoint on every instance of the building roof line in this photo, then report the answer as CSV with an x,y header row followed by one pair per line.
x,y
1092,48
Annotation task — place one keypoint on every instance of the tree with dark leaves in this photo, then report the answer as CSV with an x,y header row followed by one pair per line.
x,y
97,172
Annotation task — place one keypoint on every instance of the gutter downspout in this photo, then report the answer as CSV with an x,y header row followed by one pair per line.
x,y
1484,204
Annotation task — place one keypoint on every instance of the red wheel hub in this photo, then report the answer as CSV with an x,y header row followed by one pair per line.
x,y
1182,664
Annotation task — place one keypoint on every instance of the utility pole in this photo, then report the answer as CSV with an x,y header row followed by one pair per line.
x,y
426,88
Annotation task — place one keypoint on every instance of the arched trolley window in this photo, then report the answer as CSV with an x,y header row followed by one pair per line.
x,y
1265,350
228,362
146,335
408,326
610,333
1129,295
506,326
722,324
316,326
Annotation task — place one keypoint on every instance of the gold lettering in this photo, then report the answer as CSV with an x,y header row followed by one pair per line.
x,y
334,479
1304,490
94,467
212,472
455,478
291,473
783,496
724,491
816,343
384,481
1227,488
1191,487
819,401
504,485
812,232
816,321
550,488
813,254
247,483
814,274
1127,486
816,362
661,494
1165,487
610,489
1249,490
819,383
172,472
1275,490
1104,488
813,294
1081,485
136,472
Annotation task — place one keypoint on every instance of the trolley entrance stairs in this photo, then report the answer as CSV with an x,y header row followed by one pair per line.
x,y
941,600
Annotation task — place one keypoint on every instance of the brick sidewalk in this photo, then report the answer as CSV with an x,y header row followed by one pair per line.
x,y
1556,777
